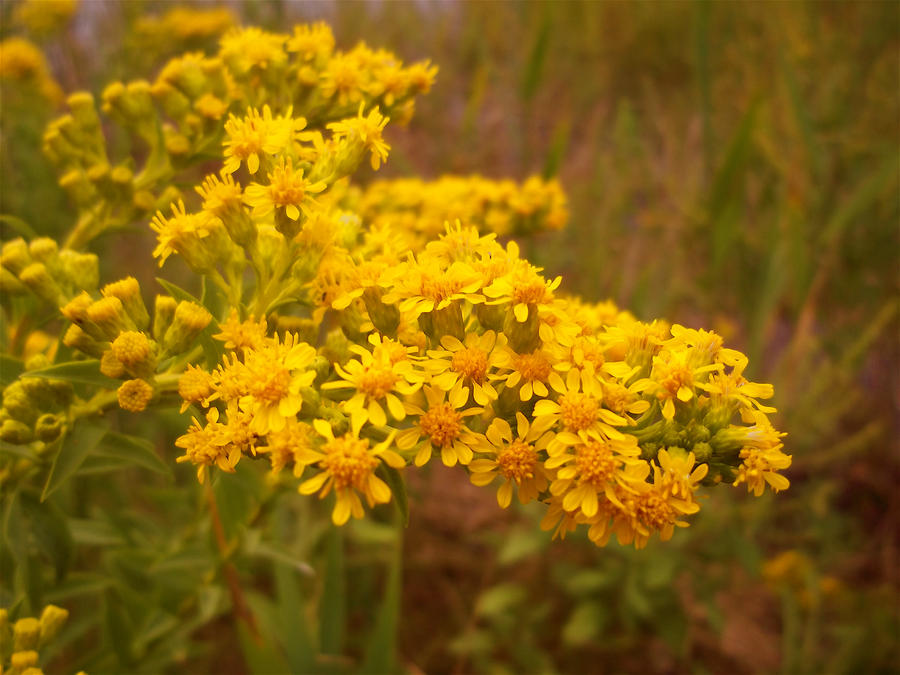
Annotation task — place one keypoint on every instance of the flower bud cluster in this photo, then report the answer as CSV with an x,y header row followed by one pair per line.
x,y
501,206
22,640
34,408
178,117
40,268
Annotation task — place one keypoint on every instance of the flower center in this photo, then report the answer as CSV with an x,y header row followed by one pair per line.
x,y
442,425
578,410
348,460
654,511
272,385
595,462
517,461
532,366
616,397
376,381
471,363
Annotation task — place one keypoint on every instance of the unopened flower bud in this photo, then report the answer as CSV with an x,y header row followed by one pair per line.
x,y
194,386
76,184
52,620
340,423
129,292
14,255
39,281
110,365
9,284
43,249
84,111
189,321
26,634
22,660
81,269
15,432
48,427
523,336
110,316
76,338
163,313
135,351
134,395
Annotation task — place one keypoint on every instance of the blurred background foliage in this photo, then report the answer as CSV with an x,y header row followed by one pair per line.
x,y
732,166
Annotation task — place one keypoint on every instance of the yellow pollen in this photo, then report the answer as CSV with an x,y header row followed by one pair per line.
x,y
471,363
442,425
530,293
654,511
578,411
131,347
617,397
438,289
677,377
287,187
595,462
517,461
532,366
376,381
271,386
349,462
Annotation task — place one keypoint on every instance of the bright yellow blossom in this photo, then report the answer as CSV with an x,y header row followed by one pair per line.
x,y
287,189
515,457
348,466
444,429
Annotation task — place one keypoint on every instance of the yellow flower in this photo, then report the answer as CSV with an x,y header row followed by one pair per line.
x,y
287,189
348,465
375,380
291,444
342,77
208,445
256,135
460,366
194,386
760,466
426,285
516,458
443,427
240,335
530,372
311,41
578,410
275,374
181,232
676,378
592,468
367,130
247,48
524,288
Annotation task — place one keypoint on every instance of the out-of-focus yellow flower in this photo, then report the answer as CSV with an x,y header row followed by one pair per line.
x,y
257,134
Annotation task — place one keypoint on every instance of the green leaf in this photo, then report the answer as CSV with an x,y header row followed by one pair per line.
x,y
89,532
82,372
12,450
381,656
10,369
521,544
585,624
332,610
177,292
74,449
294,631
395,482
236,496
19,225
261,655
500,599
133,450
49,531
118,630
531,78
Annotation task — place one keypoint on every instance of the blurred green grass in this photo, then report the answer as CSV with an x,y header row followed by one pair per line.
x,y
730,165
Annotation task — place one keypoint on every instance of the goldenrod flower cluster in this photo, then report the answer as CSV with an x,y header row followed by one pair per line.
x,y
501,206
21,640
255,82
356,333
